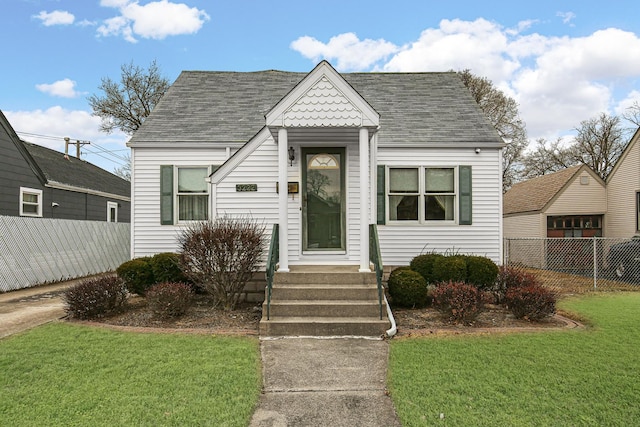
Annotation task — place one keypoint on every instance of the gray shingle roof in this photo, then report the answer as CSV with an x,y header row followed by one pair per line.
x,y
229,107
75,172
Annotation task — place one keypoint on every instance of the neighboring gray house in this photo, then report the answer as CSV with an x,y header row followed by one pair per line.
x,y
410,152
39,182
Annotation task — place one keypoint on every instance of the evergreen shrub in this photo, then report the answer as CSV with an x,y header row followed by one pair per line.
x,y
137,275
424,264
408,288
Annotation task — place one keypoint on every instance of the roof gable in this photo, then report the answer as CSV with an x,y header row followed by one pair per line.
x,y
534,195
323,99
13,137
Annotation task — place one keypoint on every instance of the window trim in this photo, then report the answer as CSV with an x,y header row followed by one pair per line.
x,y
38,193
111,205
177,194
422,194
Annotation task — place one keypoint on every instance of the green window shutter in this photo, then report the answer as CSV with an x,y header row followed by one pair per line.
x,y
465,195
166,195
381,195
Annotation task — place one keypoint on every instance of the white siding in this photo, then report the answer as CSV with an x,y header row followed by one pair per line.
x,y
524,226
400,243
622,187
578,198
148,236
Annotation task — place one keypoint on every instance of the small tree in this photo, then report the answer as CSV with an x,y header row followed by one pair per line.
x,y
221,256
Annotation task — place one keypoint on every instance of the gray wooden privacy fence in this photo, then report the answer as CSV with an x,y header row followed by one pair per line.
x,y
40,250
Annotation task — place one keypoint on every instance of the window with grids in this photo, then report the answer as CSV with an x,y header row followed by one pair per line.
x,y
422,194
30,202
192,193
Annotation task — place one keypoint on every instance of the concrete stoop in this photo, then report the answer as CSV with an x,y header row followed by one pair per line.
x,y
324,301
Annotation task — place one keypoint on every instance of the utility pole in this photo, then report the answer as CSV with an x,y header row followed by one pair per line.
x,y
78,144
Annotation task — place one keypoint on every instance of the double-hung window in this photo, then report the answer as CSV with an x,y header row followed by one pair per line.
x,y
193,194
184,193
422,194
439,194
30,202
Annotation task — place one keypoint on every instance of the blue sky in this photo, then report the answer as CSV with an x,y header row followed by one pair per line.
x,y
563,61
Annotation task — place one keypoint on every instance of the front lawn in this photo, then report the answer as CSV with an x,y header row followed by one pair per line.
x,y
62,375
576,377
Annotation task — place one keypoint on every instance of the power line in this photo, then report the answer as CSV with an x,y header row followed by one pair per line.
x,y
103,151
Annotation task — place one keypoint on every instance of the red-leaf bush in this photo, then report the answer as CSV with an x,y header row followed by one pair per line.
x,y
512,277
532,302
169,299
459,301
96,298
408,288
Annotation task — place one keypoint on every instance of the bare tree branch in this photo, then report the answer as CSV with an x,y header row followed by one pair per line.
x,y
126,104
502,113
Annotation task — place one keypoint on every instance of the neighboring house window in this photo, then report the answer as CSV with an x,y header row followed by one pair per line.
x,y
184,193
112,212
30,202
426,194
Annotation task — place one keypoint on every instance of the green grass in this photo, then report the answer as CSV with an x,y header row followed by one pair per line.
x,y
564,378
69,375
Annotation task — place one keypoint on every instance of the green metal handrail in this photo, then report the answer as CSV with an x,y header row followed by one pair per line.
x,y
376,259
272,261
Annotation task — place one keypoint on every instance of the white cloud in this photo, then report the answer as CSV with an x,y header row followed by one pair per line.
x,y
65,88
349,51
567,17
154,20
57,17
557,81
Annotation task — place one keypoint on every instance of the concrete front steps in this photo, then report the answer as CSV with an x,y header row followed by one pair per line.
x,y
324,301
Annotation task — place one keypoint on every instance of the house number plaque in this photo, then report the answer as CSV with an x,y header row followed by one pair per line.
x,y
246,187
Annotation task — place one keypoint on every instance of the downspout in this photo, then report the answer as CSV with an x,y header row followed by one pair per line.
x,y
394,329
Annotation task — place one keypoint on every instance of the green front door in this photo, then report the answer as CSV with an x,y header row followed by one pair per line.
x,y
323,199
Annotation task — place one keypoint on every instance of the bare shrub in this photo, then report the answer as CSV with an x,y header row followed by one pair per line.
x,y
221,256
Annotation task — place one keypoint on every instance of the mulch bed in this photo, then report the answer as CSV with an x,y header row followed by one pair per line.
x,y
244,320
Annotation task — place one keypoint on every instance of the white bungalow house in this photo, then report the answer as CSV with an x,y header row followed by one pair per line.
x,y
323,155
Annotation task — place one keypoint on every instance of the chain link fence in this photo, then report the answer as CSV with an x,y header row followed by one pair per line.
x,y
578,265
41,250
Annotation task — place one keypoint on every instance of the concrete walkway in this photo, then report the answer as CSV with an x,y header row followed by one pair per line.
x,y
24,309
324,382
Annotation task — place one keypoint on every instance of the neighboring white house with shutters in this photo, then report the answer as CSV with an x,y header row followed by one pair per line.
x,y
322,154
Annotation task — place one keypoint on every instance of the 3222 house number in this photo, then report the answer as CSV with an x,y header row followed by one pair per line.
x,y
246,187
